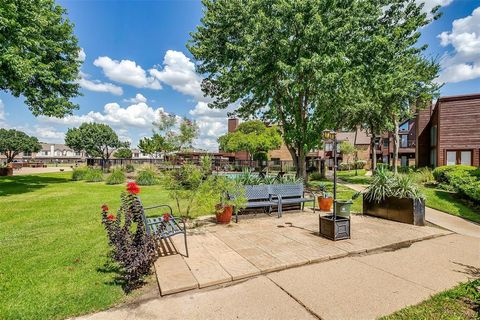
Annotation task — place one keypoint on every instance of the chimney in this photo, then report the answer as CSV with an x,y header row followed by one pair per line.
x,y
233,124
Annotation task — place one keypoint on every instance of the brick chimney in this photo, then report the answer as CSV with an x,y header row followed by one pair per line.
x,y
233,124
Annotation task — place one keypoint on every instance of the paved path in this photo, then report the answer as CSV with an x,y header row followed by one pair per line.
x,y
442,219
26,170
361,287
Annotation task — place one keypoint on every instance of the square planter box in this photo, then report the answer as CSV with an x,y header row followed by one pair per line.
x,y
397,209
338,229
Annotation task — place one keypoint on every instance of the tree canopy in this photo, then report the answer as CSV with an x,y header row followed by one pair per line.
x,y
39,56
251,136
303,64
123,153
12,142
96,139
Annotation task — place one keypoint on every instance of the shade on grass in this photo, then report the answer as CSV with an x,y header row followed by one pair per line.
x,y
53,247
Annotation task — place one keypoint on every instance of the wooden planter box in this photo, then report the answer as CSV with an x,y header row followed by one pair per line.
x,y
338,229
397,209
6,171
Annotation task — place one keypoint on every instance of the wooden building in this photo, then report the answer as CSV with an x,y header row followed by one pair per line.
x,y
448,132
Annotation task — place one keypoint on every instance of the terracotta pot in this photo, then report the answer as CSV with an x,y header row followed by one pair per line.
x,y
224,215
325,204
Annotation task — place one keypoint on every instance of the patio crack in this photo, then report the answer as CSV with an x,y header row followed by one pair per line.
x,y
297,300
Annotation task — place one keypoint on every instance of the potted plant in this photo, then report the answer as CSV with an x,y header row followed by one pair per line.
x,y
325,199
6,170
394,197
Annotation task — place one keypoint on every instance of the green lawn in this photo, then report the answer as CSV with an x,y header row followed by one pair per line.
x,y
53,246
343,193
461,302
350,176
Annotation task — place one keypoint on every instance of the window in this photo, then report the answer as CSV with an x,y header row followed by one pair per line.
x,y
404,126
44,153
27,154
459,157
403,141
385,143
433,157
433,136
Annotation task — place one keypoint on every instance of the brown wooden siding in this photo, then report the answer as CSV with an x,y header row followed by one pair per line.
x,y
422,130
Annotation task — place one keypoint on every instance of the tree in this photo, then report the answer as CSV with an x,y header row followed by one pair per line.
x,y
188,132
39,56
347,149
291,62
148,146
96,139
251,136
12,142
123,153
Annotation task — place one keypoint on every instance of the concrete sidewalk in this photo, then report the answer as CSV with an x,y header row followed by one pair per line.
x,y
362,287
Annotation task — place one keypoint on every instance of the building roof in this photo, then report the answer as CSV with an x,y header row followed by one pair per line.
x,y
362,137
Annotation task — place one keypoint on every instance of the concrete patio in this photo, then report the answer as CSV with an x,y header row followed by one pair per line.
x,y
224,253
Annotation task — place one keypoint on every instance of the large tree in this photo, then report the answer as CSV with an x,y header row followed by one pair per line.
x,y
251,136
12,142
39,55
291,62
96,139
123,153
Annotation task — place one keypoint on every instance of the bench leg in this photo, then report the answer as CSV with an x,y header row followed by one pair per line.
x,y
303,206
236,215
185,237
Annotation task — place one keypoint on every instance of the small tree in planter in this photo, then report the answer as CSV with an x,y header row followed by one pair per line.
x,y
394,197
222,195
132,248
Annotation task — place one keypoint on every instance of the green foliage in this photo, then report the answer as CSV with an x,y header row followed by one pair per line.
x,y
93,175
251,136
248,178
218,192
189,131
440,173
79,173
123,153
385,184
424,175
129,168
315,176
117,176
97,140
12,142
39,56
147,176
347,149
206,165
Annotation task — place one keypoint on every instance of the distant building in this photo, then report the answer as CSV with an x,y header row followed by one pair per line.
x,y
51,153
448,132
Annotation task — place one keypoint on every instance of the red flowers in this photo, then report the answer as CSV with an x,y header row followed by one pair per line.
x,y
166,216
133,188
111,217
104,208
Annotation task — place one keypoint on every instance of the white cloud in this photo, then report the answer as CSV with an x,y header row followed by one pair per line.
x,y
48,134
138,98
128,72
464,62
3,115
179,73
430,4
98,86
81,55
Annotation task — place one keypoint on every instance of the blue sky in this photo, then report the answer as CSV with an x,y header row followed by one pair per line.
x,y
136,63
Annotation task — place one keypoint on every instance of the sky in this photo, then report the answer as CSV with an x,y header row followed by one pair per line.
x,y
135,64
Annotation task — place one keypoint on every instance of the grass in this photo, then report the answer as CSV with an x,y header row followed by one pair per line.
x,y
349,176
461,302
53,247
343,193
450,203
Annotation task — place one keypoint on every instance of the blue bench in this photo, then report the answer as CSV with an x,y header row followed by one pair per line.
x,y
267,196
165,228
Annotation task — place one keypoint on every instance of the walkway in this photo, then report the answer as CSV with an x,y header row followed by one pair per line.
x,y
441,219
27,170
359,287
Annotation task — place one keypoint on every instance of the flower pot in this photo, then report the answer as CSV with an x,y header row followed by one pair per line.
x,y
325,204
6,171
224,215
343,208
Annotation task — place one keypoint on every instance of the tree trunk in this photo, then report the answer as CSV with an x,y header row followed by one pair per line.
x,y
396,142
10,156
302,165
374,153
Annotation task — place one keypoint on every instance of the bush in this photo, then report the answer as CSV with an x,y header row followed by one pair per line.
x,y
131,247
147,176
315,176
360,164
116,177
346,166
94,175
424,175
385,184
79,173
440,173
129,168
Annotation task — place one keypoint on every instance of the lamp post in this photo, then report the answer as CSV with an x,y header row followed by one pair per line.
x,y
334,227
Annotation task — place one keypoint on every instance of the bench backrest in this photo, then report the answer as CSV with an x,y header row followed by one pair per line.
x,y
257,192
287,190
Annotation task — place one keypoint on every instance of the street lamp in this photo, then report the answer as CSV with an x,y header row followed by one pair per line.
x,y
332,135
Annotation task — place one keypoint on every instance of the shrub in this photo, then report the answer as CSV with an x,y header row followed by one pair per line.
x,y
79,173
129,168
385,184
131,247
147,176
94,175
424,175
116,177
345,166
315,176
360,164
440,173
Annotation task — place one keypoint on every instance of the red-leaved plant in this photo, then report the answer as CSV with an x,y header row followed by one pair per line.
x,y
132,248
